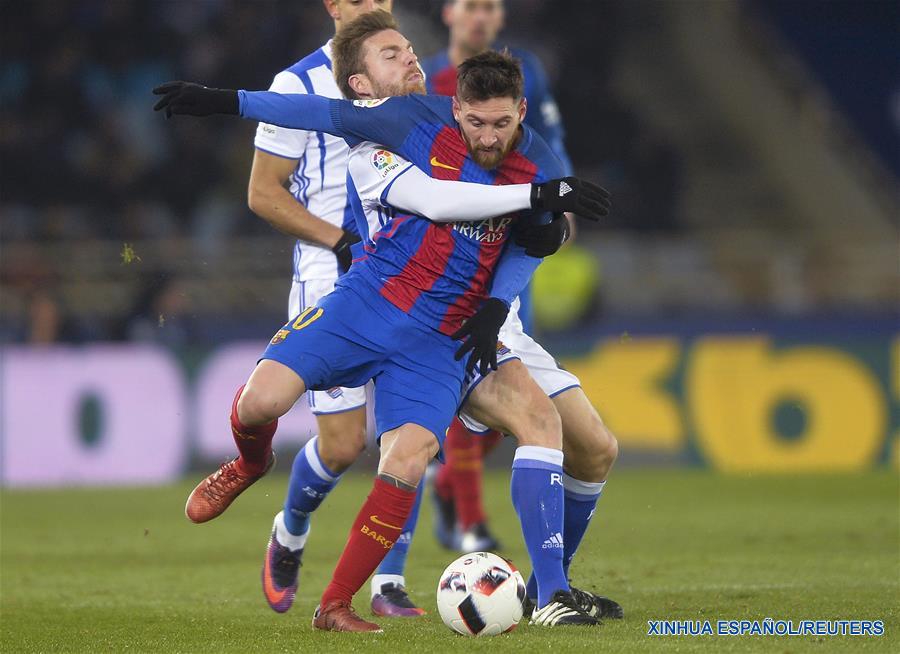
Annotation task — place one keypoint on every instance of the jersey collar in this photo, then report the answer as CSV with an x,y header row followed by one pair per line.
x,y
525,141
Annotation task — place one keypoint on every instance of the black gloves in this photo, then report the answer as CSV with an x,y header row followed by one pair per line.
x,y
482,329
342,251
543,240
195,100
571,194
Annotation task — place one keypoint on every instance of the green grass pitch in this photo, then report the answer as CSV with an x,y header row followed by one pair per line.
x,y
117,570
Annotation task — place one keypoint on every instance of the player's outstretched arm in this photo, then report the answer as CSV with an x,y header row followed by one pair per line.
x,y
295,111
341,118
189,99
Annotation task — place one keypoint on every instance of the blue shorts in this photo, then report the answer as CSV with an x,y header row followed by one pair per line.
x,y
354,335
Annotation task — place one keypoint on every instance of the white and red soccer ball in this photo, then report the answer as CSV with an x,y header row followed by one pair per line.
x,y
480,594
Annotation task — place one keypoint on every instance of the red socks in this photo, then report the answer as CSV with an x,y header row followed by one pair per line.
x,y
376,528
254,443
489,441
443,480
464,455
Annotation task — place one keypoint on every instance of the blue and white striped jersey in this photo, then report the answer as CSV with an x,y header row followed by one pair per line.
x,y
319,181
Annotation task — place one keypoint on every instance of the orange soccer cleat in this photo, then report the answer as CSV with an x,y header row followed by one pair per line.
x,y
216,493
338,615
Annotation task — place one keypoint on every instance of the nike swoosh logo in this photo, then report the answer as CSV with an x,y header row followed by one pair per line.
x,y
374,518
242,435
272,594
435,162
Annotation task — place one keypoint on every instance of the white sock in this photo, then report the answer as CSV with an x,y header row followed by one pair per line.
x,y
582,487
379,580
285,537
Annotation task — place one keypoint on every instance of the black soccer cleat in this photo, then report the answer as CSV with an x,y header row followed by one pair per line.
x,y
562,610
597,606
528,605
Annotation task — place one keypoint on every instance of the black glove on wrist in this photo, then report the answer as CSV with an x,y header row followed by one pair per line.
x,y
195,100
571,194
482,329
343,252
543,240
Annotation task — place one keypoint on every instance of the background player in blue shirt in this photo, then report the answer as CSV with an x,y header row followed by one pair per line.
x,y
460,518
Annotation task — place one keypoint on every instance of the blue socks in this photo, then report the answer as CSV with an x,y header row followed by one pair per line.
x,y
580,500
537,495
310,483
395,561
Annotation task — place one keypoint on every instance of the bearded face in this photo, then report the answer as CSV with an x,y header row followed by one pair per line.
x,y
490,128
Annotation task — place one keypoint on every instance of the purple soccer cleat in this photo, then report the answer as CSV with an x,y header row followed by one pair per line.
x,y
279,574
393,602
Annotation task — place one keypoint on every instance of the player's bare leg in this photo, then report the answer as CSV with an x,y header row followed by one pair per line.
x,y
342,438
589,447
405,452
315,472
271,391
509,400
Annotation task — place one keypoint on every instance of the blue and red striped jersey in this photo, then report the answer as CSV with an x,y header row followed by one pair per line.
x,y
438,273
543,114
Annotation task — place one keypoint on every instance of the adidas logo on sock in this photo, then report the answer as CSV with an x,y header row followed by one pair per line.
x,y
313,493
555,540
564,188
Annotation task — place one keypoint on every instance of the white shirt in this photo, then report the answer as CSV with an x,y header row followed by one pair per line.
x,y
319,181
385,181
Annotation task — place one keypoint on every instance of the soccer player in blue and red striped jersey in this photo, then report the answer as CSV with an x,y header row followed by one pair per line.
x,y
423,279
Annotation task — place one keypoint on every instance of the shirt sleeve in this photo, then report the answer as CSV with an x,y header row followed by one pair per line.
x,y
385,121
387,179
514,271
450,201
373,170
296,111
283,141
543,113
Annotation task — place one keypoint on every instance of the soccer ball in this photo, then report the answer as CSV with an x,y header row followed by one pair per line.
x,y
480,594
